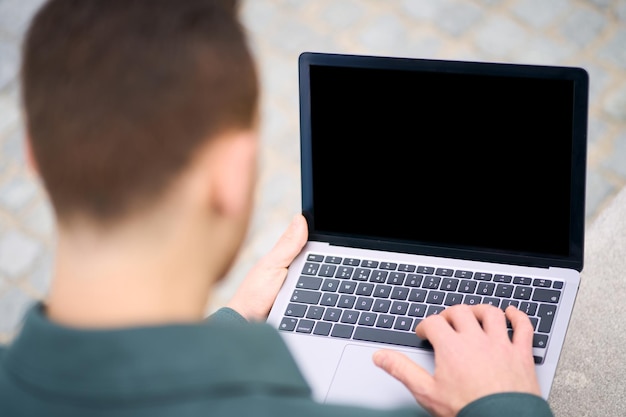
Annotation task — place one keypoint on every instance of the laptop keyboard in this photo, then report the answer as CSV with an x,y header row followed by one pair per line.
x,y
383,302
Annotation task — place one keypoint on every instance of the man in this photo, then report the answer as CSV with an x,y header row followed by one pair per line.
x,y
141,117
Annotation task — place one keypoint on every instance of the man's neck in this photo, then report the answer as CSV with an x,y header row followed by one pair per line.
x,y
131,277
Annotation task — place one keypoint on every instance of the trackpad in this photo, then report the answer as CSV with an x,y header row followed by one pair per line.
x,y
359,382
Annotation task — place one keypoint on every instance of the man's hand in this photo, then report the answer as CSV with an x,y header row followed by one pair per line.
x,y
256,294
474,357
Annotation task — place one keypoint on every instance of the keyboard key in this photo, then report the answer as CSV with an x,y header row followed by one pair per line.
x,y
529,308
425,270
403,323
344,272
486,288
388,265
346,301
399,293
504,304
399,307
365,288
361,274
295,310
385,321
417,295
307,297
522,280
364,304
538,282
468,287
350,316
463,274
315,258
483,276
453,299
305,326
369,334
540,340
406,268
546,315
417,310
472,300
557,285
347,287
322,328
329,299
491,301
368,319
327,270
352,262
309,283
369,264
379,276
522,293
332,314
381,306
330,285
333,260
534,321
413,280
435,297
382,291
342,330
396,278
504,291
502,278
546,296
288,324
434,310
449,284
310,268
444,272
315,312
431,282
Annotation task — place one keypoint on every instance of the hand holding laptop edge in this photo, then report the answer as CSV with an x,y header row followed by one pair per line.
x,y
474,358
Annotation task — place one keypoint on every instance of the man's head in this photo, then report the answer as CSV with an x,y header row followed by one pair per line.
x,y
119,96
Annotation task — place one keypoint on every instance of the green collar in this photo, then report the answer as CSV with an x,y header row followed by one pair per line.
x,y
216,357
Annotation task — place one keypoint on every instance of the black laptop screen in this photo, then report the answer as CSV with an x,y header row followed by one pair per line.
x,y
442,159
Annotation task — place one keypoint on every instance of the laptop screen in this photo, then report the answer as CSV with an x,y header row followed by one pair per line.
x,y
450,159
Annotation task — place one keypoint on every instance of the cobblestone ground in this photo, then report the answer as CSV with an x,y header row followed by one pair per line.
x,y
590,33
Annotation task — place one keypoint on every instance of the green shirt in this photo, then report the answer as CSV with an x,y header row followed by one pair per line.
x,y
221,367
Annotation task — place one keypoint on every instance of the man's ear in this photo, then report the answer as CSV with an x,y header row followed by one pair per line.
x,y
234,173
31,162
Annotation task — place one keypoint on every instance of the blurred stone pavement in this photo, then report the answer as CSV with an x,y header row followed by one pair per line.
x,y
585,33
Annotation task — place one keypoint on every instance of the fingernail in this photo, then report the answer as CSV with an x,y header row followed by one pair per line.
x,y
379,359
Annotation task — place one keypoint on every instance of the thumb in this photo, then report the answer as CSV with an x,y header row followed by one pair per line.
x,y
399,366
289,244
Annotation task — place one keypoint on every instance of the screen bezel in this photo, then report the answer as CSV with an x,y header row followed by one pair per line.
x,y
580,78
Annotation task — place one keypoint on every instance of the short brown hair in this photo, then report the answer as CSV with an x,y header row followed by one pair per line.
x,y
119,93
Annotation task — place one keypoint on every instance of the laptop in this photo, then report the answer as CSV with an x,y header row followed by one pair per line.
x,y
426,184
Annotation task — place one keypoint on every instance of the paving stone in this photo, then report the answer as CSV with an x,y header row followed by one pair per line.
x,y
13,306
9,114
41,276
458,18
615,104
597,129
40,220
539,50
616,161
614,51
425,10
601,3
9,62
583,25
15,15
540,13
499,36
17,253
342,14
13,146
620,10
17,192
598,190
258,16
383,34
599,78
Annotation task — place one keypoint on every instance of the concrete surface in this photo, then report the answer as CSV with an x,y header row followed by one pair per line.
x,y
587,33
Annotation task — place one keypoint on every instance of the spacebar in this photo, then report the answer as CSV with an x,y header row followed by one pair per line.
x,y
370,334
